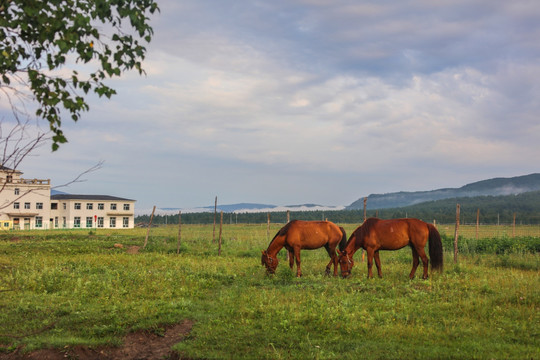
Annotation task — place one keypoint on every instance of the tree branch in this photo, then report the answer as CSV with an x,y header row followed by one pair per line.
x,y
96,167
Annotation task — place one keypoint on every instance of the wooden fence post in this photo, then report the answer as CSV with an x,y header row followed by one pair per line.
x,y
268,228
149,226
365,208
477,222
288,216
179,232
514,226
365,218
220,232
214,231
456,234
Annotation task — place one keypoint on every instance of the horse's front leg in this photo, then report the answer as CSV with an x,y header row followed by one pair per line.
x,y
333,260
370,253
378,263
290,256
297,256
328,267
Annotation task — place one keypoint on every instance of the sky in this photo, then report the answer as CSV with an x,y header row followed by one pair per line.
x,y
289,102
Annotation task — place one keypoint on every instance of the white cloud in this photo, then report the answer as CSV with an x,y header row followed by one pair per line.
x,y
271,102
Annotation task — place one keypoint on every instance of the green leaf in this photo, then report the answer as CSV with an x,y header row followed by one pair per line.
x,y
38,35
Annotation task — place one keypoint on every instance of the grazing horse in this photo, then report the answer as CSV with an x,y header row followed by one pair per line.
x,y
376,234
298,235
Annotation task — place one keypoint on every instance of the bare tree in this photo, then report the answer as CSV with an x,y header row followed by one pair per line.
x,y
18,142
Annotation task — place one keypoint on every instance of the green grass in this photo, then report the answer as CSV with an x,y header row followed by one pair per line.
x,y
68,288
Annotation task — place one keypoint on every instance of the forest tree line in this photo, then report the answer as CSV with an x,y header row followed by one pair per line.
x,y
493,210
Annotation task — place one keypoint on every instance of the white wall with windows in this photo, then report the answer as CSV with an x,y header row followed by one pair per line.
x,y
92,211
24,203
28,204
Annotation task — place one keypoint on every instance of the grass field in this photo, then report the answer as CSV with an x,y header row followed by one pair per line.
x,y
67,288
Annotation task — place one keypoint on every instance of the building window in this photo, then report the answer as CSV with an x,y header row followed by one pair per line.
x,y
65,206
27,205
56,221
88,221
126,207
77,221
54,206
9,178
89,206
17,191
125,222
39,206
101,206
112,222
64,222
100,222
16,205
39,222
77,206
113,206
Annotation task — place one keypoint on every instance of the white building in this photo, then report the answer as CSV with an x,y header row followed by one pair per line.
x,y
91,211
28,204
24,203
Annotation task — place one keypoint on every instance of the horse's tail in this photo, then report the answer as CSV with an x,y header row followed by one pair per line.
x,y
435,248
343,242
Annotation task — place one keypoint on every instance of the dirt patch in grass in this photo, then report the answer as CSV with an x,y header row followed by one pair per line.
x,y
137,345
133,249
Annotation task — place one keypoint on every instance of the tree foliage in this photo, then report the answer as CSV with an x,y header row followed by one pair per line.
x,y
38,38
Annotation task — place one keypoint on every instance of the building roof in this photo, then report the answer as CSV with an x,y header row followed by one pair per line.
x,y
88,197
5,168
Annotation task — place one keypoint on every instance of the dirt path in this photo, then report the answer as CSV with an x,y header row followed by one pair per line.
x,y
138,345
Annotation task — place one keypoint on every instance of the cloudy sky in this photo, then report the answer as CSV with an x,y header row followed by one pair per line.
x,y
313,101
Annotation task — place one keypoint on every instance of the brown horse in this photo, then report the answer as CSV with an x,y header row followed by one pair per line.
x,y
375,234
298,235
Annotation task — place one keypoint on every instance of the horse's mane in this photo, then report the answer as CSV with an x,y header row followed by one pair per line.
x,y
365,229
283,230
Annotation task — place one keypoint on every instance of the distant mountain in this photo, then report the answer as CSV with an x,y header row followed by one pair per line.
x,y
492,187
240,208
56,192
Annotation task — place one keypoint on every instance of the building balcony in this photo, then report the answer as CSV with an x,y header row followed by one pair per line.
x,y
27,181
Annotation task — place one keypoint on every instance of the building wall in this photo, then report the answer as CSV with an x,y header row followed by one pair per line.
x,y
27,204
92,213
24,202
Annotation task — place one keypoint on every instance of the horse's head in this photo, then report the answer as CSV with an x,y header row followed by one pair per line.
x,y
346,263
269,261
